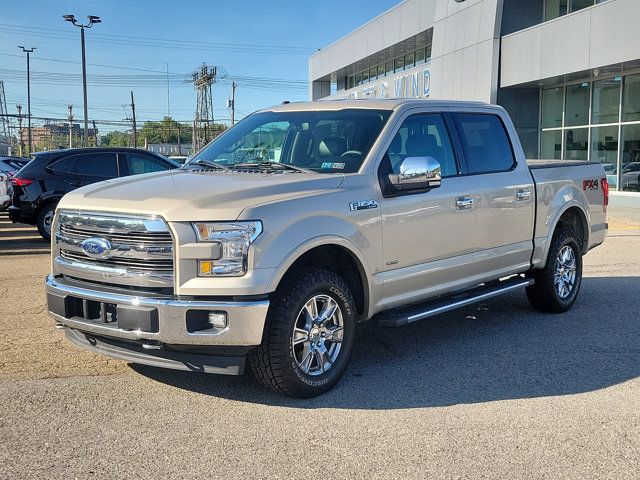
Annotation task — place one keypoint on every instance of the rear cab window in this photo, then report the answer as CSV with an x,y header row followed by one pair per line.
x,y
485,143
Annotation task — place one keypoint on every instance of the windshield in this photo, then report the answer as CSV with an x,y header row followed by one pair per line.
x,y
322,141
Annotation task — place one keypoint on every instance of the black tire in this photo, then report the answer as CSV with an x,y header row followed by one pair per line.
x,y
43,221
275,362
543,294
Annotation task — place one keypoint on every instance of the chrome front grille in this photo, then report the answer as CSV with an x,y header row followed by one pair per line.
x,y
133,264
134,251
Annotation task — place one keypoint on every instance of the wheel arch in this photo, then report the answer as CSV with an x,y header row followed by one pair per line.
x,y
337,255
574,217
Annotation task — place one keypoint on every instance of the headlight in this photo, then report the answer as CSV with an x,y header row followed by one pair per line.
x,y
234,239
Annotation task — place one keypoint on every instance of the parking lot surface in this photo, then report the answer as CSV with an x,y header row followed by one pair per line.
x,y
495,390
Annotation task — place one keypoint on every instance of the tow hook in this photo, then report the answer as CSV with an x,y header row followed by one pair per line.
x,y
151,345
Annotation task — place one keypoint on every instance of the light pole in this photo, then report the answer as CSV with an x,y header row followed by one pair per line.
x,y
28,51
92,19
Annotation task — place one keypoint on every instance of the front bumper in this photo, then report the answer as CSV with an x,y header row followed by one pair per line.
x,y
140,324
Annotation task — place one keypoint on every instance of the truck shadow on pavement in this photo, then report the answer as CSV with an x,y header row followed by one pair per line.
x,y
498,350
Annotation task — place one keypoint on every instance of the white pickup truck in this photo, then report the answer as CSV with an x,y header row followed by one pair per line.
x,y
305,219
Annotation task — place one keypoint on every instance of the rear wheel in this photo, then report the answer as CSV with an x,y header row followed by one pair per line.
x,y
308,335
45,219
558,283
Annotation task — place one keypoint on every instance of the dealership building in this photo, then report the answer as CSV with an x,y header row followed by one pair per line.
x,y
567,71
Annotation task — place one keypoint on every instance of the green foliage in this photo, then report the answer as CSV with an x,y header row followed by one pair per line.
x,y
164,131
116,139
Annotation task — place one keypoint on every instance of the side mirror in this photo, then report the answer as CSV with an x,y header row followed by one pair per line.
x,y
417,173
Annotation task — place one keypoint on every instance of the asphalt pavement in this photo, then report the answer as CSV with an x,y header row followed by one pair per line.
x,y
495,390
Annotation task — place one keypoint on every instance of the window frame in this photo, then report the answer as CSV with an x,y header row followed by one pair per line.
x,y
458,129
383,181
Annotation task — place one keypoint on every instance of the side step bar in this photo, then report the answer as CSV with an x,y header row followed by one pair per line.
x,y
413,313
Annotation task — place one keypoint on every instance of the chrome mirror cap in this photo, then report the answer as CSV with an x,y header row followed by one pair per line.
x,y
417,173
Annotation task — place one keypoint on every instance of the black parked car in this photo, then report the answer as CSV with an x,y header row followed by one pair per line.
x,y
39,185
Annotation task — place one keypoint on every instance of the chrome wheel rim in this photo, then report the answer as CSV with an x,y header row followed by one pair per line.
x,y
317,335
48,220
565,272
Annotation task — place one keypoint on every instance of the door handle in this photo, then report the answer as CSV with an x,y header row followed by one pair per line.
x,y
465,202
523,194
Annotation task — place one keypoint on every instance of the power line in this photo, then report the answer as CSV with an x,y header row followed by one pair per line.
x,y
162,42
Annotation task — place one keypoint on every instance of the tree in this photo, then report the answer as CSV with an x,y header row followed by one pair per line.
x,y
116,139
165,131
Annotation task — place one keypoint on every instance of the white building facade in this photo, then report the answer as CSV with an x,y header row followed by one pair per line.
x,y
567,71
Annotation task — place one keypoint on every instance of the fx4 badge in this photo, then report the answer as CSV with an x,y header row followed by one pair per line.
x,y
591,184
362,205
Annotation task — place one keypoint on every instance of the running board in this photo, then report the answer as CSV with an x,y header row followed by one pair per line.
x,y
413,313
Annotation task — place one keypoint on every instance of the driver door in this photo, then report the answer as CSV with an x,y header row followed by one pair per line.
x,y
428,236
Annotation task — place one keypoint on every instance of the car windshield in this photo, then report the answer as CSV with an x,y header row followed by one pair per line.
x,y
322,141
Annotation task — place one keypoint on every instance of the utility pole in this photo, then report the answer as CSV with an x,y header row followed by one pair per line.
x,y
179,133
133,116
20,141
96,140
28,51
70,107
92,20
233,103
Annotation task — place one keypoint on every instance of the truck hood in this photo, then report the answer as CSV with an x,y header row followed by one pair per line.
x,y
187,195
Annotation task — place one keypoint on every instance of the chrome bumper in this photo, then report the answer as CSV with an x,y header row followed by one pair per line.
x,y
245,320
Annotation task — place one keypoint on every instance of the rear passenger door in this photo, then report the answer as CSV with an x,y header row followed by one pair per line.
x,y
86,168
503,194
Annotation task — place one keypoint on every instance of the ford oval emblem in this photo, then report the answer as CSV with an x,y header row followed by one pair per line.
x,y
96,247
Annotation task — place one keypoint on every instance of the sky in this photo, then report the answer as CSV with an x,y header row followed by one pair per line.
x,y
264,45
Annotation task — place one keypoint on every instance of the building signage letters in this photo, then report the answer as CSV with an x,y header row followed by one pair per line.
x,y
408,85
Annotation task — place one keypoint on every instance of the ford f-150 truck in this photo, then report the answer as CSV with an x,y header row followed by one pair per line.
x,y
304,219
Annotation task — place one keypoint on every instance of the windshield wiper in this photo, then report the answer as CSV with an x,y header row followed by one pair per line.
x,y
209,163
283,166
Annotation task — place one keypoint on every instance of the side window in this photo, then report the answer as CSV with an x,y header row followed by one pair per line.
x,y
96,165
137,164
485,143
423,135
64,165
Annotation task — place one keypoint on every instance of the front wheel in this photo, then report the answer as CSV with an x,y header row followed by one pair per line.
x,y
308,335
45,219
557,285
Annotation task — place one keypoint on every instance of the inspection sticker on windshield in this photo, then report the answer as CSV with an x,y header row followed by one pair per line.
x,y
335,166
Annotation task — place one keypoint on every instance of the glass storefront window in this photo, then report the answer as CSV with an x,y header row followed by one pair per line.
x,y
577,105
629,176
631,99
380,71
606,100
576,144
580,4
551,145
555,8
420,56
408,61
552,106
604,147
388,68
399,64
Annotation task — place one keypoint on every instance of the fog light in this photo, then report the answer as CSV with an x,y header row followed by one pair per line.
x,y
218,319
